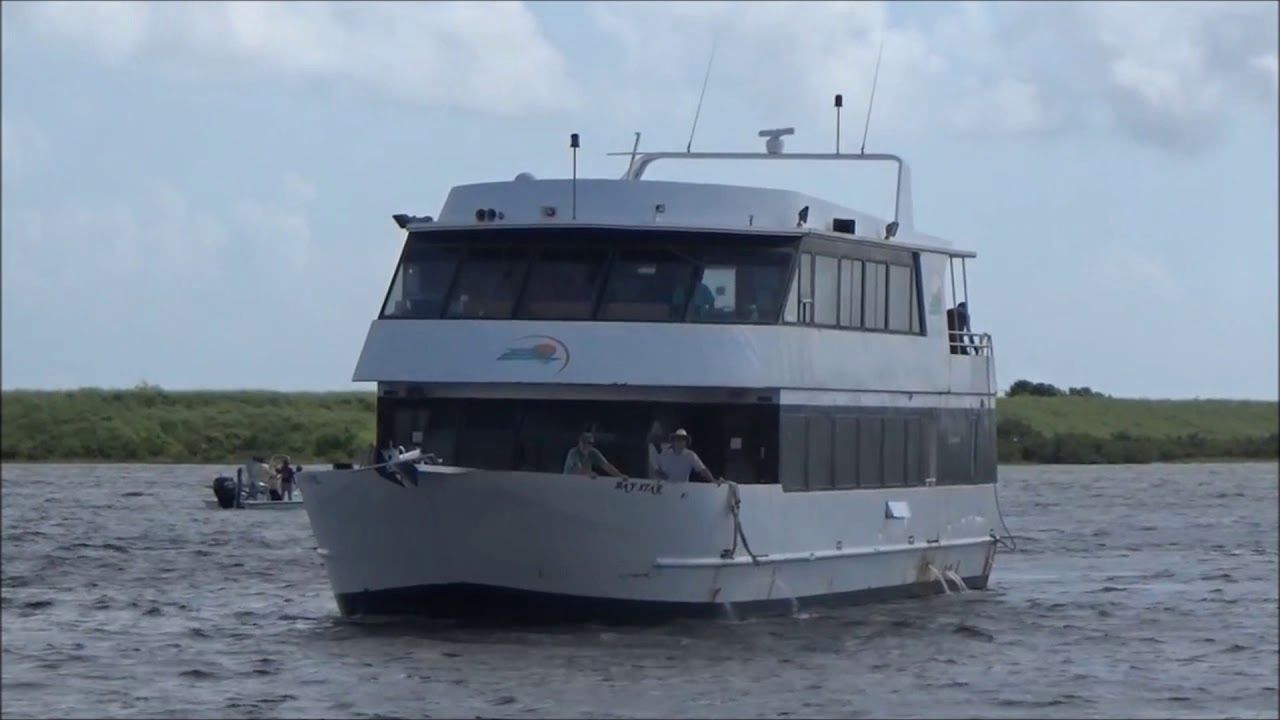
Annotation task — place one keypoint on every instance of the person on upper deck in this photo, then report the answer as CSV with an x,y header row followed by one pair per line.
x,y
677,462
654,445
958,322
584,458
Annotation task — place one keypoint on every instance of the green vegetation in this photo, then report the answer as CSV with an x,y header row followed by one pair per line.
x,y
149,424
1037,424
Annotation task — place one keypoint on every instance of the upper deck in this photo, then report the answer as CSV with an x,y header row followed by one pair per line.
x,y
651,283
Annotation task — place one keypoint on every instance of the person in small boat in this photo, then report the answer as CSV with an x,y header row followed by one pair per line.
x,y
677,462
958,322
584,458
259,476
286,479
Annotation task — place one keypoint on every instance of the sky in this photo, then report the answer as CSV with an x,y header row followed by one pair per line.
x,y
199,195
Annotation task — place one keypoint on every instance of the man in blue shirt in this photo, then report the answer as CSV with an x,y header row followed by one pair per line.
x,y
584,458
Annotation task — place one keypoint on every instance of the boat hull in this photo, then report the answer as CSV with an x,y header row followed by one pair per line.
x,y
464,544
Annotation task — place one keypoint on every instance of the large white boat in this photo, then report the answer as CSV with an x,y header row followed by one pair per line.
x,y
803,345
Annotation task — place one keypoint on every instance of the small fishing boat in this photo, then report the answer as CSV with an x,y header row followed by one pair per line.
x,y
250,489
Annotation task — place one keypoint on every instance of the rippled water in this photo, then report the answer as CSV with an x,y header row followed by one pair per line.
x,y
1136,592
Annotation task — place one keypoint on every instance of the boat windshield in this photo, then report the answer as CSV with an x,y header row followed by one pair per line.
x,y
592,273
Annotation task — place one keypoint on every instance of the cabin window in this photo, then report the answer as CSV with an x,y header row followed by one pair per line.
x,y
740,285
850,293
789,314
793,450
534,435
826,290
421,282
915,455
806,287
818,457
562,284
955,449
915,293
873,302
591,273
895,451
846,452
870,437
646,286
900,292
488,283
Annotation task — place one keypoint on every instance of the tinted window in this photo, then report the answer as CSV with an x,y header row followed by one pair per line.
x,y
894,451
870,439
818,458
793,303
743,285
826,281
421,282
646,286
805,284
851,293
792,451
488,283
873,305
900,292
915,297
846,451
562,284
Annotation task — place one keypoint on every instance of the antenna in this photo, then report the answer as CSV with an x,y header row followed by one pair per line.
x,y
573,143
705,79
634,148
839,104
872,101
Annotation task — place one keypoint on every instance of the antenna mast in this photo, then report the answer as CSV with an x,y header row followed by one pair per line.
x,y
705,79
839,104
872,101
573,145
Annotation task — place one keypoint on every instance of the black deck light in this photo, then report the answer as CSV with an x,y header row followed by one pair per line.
x,y
802,217
401,219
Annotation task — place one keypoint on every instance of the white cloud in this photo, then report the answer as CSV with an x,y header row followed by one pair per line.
x,y
19,143
489,57
284,238
1128,269
1269,66
167,288
1171,74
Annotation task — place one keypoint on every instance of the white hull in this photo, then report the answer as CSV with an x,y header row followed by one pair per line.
x,y
461,541
261,504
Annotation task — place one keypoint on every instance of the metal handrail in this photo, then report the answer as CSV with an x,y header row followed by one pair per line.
x,y
970,343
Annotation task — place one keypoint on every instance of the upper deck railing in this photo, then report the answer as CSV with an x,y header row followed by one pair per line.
x,y
903,211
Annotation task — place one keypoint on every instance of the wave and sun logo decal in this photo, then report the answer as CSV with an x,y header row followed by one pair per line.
x,y
540,349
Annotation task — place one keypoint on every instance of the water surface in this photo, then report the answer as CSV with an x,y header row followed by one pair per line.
x,y
1137,591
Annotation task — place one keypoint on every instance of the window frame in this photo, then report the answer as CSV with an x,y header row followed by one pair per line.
x,y
814,288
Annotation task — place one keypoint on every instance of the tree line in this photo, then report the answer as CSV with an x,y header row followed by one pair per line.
x,y
151,424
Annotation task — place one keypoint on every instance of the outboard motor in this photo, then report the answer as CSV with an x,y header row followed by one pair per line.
x,y
224,488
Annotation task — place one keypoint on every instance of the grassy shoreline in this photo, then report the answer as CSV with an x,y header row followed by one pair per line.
x,y
156,426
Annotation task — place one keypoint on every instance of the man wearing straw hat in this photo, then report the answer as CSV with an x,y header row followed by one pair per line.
x,y
676,461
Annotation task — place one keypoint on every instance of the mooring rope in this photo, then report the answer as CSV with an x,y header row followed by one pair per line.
x,y
735,502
